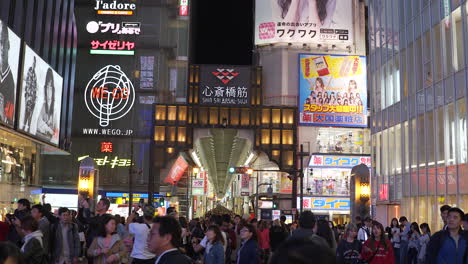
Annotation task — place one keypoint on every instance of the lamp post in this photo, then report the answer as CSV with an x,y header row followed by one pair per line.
x,y
302,155
87,179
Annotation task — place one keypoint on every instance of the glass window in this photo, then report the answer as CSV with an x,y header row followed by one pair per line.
x,y
450,140
398,154
430,142
396,79
410,68
404,76
414,144
440,137
421,141
427,59
389,82
406,153
461,133
437,53
458,46
418,60
385,156
446,47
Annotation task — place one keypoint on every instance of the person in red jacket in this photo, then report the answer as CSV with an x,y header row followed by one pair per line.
x,y
378,249
264,240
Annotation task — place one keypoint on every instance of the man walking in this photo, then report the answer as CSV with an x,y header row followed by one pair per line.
x,y
404,240
65,242
443,214
37,212
365,231
141,231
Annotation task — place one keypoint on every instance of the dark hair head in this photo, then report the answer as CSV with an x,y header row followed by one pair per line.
x,y
303,250
415,226
444,208
216,220
284,5
322,10
47,207
391,223
102,227
219,236
169,225
320,80
357,218
237,216
457,210
465,218
62,210
283,218
226,218
307,220
426,226
253,220
10,250
29,224
403,219
376,224
49,79
21,214
39,208
252,230
324,231
25,202
367,219
148,212
183,222
106,202
170,210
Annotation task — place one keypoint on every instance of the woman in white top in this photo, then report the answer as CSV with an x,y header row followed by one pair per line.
x,y
395,237
423,241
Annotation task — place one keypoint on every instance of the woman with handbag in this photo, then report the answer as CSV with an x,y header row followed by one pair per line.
x,y
378,249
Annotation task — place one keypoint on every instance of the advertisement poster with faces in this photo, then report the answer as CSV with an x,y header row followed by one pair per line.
x,y
303,21
10,45
332,90
41,99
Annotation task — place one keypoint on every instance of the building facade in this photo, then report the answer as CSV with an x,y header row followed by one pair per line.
x,y
417,72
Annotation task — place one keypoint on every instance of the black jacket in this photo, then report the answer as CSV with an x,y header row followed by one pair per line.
x,y
93,223
436,242
174,257
348,253
248,253
34,253
277,236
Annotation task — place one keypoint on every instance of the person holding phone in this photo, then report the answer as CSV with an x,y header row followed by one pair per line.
x,y
140,252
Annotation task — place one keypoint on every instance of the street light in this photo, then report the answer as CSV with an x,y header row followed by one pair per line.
x,y
364,191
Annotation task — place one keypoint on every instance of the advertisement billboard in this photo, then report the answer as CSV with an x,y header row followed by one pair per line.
x,y
332,90
10,45
306,21
41,98
225,85
176,171
338,161
325,203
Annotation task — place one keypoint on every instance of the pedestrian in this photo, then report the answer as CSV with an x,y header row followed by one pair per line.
x,y
365,231
334,228
283,223
394,236
23,209
65,241
37,212
32,249
323,230
349,248
264,241
214,220
277,235
165,239
306,226
94,223
231,242
443,214
449,245
248,251
413,243
404,237
107,246
304,250
465,222
185,231
378,249
140,252
358,221
216,253
171,211
10,253
423,241
120,227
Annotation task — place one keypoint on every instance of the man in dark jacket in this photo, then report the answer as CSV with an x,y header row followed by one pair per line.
x,y
93,222
32,250
165,239
65,242
306,225
450,245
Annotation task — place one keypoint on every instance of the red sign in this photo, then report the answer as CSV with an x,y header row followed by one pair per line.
x,y
106,146
383,192
177,171
205,182
245,181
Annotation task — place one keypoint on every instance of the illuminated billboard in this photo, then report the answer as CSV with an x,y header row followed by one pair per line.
x,y
306,21
332,90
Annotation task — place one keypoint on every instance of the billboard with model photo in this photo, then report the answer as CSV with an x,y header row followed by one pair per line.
x,y
41,99
303,21
10,45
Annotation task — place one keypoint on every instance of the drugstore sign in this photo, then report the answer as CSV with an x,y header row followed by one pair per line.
x,y
326,203
338,161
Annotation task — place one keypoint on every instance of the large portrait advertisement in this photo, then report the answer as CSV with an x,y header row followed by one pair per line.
x,y
41,99
303,21
10,45
332,90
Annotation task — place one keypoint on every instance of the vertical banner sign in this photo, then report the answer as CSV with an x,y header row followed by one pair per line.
x,y
332,90
176,171
225,85
303,21
183,9
245,184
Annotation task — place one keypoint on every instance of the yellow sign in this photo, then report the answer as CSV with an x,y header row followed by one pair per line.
x,y
337,66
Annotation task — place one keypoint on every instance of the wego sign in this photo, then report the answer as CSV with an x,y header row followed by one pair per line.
x,y
109,95
114,8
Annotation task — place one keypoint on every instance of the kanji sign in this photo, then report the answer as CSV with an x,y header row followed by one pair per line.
x,y
326,203
338,161
124,28
225,85
198,183
106,146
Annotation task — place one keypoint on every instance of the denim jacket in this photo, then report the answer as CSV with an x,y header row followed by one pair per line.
x,y
215,255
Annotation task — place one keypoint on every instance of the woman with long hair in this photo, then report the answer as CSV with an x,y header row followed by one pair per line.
x,y
394,235
413,243
216,253
349,248
248,251
46,124
377,249
324,231
423,241
107,247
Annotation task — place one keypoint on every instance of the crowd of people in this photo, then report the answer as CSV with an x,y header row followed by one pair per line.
x,y
33,234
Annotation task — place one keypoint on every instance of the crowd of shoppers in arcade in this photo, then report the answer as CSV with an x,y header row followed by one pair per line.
x,y
33,234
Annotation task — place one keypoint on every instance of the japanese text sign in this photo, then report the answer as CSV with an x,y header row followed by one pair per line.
x,y
332,90
176,171
225,85
198,183
338,161
303,22
326,203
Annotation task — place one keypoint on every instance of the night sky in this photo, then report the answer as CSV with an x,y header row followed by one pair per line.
x,y
222,32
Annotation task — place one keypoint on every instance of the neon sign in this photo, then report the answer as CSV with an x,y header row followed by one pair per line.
x,y
183,9
124,28
338,161
106,146
110,161
109,95
114,8
325,203
112,47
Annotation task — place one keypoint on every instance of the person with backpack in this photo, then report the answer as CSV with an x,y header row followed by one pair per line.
x,y
378,249
349,248
365,231
140,252
64,243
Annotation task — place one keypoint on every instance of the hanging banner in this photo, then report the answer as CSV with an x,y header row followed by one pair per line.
x,y
288,21
332,90
245,184
176,171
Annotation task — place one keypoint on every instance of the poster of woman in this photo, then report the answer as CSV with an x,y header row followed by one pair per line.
x,y
332,90
41,99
